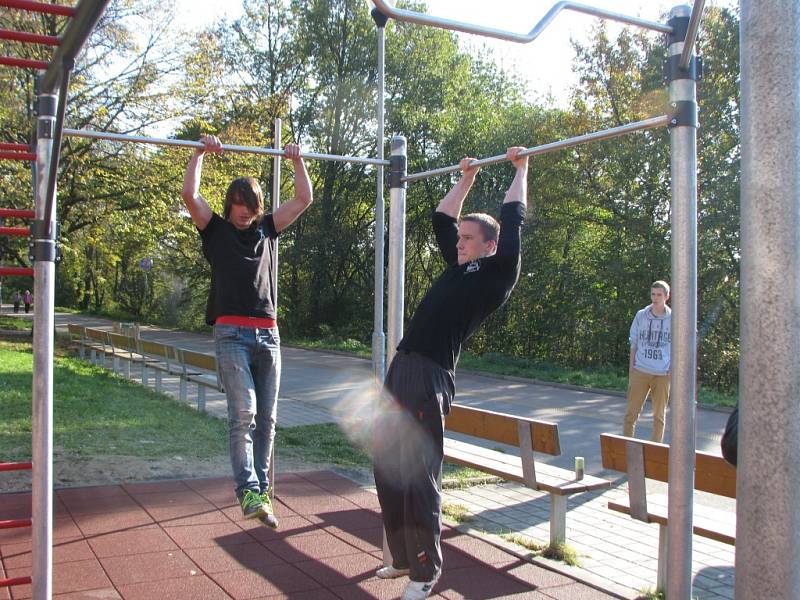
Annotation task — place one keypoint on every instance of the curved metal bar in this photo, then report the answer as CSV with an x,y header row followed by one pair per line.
x,y
691,33
120,137
597,136
409,16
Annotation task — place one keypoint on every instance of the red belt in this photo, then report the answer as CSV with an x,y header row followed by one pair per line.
x,y
260,322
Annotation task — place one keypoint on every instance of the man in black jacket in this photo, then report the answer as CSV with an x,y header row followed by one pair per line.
x,y
483,264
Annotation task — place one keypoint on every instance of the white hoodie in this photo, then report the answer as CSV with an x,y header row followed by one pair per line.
x,y
652,337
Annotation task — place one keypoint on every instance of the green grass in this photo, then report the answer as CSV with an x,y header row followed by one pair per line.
x,y
457,512
96,413
560,552
15,323
350,346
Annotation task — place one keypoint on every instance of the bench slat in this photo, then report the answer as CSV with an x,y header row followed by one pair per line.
x,y
501,428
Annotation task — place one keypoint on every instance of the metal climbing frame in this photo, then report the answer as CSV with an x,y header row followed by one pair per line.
x,y
683,71
770,377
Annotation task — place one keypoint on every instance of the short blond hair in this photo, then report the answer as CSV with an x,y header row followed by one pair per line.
x,y
661,284
490,228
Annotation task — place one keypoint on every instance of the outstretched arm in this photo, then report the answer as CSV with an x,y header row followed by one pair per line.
x,y
287,213
518,191
196,205
452,202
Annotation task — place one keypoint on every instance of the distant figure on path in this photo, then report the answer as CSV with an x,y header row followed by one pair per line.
x,y
649,363
27,299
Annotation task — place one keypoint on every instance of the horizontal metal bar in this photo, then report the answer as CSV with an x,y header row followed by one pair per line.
x,y
409,16
17,156
119,137
16,272
14,581
15,523
41,7
691,33
29,38
15,147
17,213
25,63
15,231
652,123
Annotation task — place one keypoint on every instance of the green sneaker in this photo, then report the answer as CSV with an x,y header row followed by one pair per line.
x,y
266,514
251,504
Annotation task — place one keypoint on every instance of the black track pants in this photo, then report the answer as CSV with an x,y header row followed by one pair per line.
x,y
407,454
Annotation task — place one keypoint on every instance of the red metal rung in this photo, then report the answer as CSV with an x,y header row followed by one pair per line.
x,y
52,9
19,213
17,155
15,147
16,272
14,581
25,63
11,524
15,231
16,466
29,38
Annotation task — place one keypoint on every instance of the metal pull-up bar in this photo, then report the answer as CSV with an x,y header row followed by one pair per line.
x,y
597,136
119,137
410,16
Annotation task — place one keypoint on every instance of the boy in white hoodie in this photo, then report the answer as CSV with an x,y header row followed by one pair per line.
x,y
651,342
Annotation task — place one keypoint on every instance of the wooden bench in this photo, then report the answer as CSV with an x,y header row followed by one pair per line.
x,y
98,345
78,339
199,368
643,460
529,436
159,357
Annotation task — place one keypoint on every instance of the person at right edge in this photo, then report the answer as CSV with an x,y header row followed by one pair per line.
x,y
649,362
483,265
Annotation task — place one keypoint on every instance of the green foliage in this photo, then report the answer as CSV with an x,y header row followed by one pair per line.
x,y
598,229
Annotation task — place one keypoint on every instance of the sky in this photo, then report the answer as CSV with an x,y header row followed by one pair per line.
x,y
544,63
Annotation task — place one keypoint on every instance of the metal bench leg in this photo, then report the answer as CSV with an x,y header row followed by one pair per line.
x,y
93,356
661,578
81,351
201,398
158,380
183,389
144,374
115,364
128,368
558,519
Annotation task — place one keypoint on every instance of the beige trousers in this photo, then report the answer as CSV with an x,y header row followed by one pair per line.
x,y
639,384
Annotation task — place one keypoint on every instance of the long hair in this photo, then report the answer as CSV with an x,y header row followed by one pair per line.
x,y
244,190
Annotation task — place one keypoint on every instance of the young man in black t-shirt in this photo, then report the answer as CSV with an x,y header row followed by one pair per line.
x,y
240,246
483,264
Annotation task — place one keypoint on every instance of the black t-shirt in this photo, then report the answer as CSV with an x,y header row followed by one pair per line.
x,y
241,268
464,295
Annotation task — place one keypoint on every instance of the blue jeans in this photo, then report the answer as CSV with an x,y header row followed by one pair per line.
x,y
249,363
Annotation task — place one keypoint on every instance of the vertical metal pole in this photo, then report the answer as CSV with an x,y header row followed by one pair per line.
x,y
44,268
378,337
768,478
276,202
397,244
683,167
